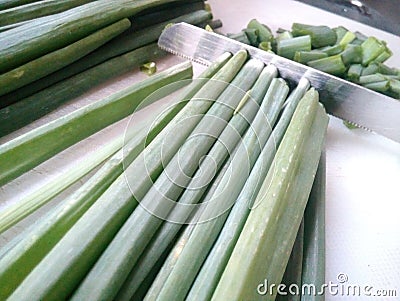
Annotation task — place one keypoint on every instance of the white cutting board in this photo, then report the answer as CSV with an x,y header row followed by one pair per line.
x,y
363,169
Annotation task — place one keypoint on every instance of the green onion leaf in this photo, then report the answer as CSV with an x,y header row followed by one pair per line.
x,y
149,68
352,54
320,35
265,46
332,50
367,79
382,86
340,33
354,72
252,36
288,47
370,69
264,32
332,65
371,49
306,56
385,55
347,38
240,37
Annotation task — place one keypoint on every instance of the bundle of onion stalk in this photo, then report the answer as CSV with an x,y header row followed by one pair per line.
x,y
47,61
208,209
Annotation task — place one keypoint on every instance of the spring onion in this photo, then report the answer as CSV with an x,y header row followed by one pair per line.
x,y
112,268
293,271
210,273
25,152
37,105
382,86
313,271
347,38
371,49
288,47
264,245
149,68
195,190
305,56
332,64
252,35
215,213
331,50
352,54
376,77
34,243
320,35
264,32
56,60
354,72
103,220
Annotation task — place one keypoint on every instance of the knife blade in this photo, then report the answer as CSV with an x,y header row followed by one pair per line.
x,y
345,100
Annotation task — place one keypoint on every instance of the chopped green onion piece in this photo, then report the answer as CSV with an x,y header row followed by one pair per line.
x,y
357,42
389,77
207,7
265,46
252,35
214,24
306,56
149,68
240,37
284,35
332,50
332,65
347,39
208,28
382,86
352,54
360,36
264,33
320,35
367,79
281,30
384,69
287,48
370,69
340,33
354,72
385,55
371,49
395,86
392,77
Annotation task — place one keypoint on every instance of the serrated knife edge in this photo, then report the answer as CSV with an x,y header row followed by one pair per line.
x,y
345,100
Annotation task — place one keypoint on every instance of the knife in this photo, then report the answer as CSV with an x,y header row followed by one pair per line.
x,y
360,106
